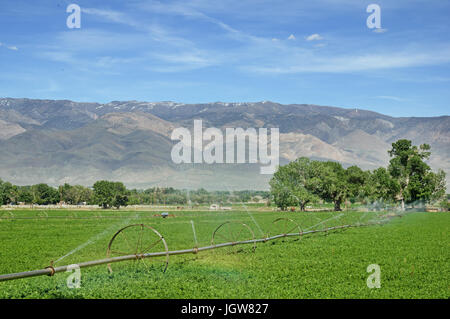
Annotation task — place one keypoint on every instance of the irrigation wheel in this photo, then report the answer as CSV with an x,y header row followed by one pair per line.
x,y
7,215
325,227
72,215
98,215
284,226
138,240
234,232
42,215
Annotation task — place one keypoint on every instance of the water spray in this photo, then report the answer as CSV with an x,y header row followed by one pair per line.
x,y
195,235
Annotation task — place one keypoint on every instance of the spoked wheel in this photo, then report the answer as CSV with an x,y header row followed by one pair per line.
x,y
234,232
318,225
98,215
326,227
284,226
7,215
72,215
140,240
42,215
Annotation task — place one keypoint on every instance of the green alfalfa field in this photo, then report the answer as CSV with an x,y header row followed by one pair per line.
x,y
412,252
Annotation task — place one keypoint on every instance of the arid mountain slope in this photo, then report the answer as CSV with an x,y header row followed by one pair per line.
x,y
64,141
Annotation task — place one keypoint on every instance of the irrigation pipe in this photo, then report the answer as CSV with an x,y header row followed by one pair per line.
x,y
50,271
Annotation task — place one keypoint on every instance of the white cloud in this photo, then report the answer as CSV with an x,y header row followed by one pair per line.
x,y
380,30
314,37
306,61
10,47
111,15
392,98
188,10
291,37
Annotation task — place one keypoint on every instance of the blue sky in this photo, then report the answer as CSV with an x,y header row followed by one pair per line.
x,y
317,52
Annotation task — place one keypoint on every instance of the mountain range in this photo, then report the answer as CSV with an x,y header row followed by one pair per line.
x,y
58,141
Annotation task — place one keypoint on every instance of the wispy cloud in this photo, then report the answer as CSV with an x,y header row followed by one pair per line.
x,y
154,31
314,37
307,61
380,30
166,49
184,61
9,47
110,15
156,42
391,98
192,11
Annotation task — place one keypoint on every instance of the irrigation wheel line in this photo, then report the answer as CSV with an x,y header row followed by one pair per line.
x,y
7,215
50,270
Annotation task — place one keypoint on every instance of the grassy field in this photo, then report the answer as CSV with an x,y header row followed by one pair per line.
x,y
412,251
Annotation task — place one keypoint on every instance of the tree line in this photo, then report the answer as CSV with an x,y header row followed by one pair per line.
x,y
407,179
108,194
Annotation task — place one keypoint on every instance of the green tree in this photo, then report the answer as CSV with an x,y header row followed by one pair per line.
x,y
64,193
415,179
109,194
8,193
356,182
381,185
282,197
76,194
44,194
3,195
25,195
330,183
120,200
84,194
439,185
290,184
